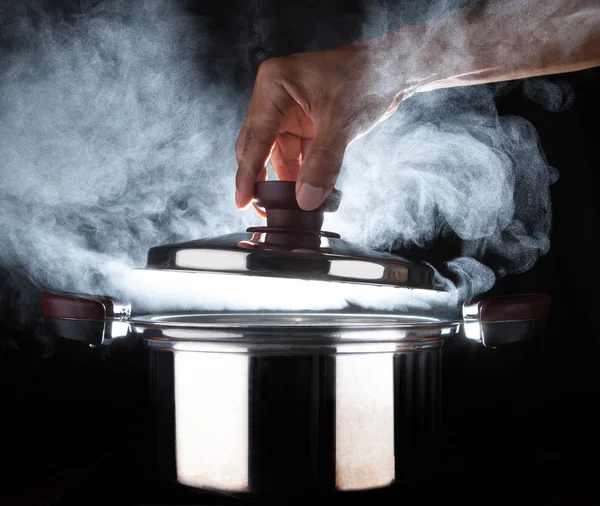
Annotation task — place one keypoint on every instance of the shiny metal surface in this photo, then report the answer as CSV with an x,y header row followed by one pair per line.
x,y
254,424
298,320
252,404
328,259
301,332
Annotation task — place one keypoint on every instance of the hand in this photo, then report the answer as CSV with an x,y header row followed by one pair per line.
x,y
308,107
304,112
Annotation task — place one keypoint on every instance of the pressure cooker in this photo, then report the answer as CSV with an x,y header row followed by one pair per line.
x,y
279,397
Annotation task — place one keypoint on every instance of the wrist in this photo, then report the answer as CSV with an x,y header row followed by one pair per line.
x,y
440,53
410,60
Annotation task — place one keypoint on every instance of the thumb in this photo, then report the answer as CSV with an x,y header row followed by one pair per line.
x,y
320,168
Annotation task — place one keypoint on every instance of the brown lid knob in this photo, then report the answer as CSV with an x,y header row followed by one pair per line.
x,y
278,199
282,195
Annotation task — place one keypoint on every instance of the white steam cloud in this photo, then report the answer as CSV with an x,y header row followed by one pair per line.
x,y
112,140
447,163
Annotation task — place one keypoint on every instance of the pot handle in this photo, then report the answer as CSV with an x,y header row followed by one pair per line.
x,y
506,319
88,318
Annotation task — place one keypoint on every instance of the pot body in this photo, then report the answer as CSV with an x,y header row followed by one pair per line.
x,y
314,419
269,403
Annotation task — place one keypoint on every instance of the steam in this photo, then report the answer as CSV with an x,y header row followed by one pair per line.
x,y
449,164
114,138
112,141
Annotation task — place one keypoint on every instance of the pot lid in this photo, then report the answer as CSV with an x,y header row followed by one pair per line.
x,y
291,245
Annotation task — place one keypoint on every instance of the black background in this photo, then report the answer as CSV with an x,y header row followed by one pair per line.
x,y
520,423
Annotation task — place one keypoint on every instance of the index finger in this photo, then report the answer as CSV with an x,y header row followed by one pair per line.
x,y
257,137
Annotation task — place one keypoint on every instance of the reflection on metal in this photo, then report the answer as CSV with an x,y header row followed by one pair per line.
x,y
296,423
116,329
298,332
471,324
270,348
211,409
357,269
364,414
219,260
309,257
472,330
121,310
176,290
298,320
470,311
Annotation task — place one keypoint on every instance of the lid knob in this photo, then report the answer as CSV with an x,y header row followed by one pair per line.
x,y
278,199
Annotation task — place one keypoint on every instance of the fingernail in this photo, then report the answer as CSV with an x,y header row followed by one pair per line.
x,y
310,197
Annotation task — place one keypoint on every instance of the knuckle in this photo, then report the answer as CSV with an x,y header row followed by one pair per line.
x,y
260,136
252,138
329,158
270,68
325,163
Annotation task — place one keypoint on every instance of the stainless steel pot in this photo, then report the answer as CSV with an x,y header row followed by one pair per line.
x,y
260,402
316,403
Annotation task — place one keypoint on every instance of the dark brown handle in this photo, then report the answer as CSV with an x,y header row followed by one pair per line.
x,y
506,319
75,306
528,306
88,318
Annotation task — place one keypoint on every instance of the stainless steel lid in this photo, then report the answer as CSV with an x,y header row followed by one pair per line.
x,y
332,259
291,245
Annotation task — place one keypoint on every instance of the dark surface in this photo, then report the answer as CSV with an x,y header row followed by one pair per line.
x,y
514,426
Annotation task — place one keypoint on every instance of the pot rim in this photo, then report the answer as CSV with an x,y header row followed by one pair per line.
x,y
265,320
291,332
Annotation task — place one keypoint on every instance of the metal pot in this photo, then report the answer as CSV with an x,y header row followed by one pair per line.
x,y
326,403
260,402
